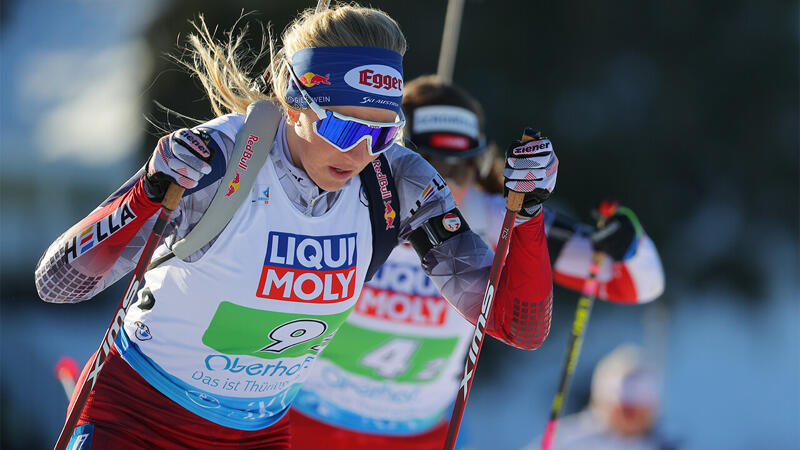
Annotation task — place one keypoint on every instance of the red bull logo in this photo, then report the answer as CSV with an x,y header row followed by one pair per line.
x,y
310,79
383,182
233,185
309,269
388,214
248,151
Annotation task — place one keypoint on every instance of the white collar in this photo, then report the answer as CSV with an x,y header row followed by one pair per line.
x,y
301,190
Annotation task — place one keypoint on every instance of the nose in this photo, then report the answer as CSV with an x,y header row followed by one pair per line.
x,y
359,155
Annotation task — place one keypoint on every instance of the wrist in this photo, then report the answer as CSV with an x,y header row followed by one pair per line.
x,y
156,185
530,211
140,200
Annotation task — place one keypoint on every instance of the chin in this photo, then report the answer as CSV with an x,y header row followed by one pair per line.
x,y
330,181
330,185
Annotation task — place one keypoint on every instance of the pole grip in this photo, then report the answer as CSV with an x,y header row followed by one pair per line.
x,y
515,199
172,197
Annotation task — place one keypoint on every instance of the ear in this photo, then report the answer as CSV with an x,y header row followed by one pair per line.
x,y
294,116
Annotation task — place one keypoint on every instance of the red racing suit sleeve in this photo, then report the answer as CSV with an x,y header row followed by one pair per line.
x,y
523,303
638,279
78,261
106,245
459,265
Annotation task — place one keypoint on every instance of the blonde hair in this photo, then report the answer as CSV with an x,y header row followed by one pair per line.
x,y
223,67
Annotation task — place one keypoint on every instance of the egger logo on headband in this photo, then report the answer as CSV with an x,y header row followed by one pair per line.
x,y
376,79
348,76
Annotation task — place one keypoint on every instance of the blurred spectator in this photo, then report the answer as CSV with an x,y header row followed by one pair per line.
x,y
623,409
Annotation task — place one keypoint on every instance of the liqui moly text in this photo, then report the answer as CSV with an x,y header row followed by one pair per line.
x,y
402,293
309,269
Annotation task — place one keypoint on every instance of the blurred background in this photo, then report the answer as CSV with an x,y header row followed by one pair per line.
x,y
685,111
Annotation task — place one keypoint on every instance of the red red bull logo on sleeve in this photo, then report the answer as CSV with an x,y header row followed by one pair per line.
x,y
233,185
309,269
311,79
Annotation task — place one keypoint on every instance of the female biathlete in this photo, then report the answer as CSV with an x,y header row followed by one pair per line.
x,y
214,348
390,377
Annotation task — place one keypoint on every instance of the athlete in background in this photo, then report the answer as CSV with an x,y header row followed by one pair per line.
x,y
214,349
390,377
623,409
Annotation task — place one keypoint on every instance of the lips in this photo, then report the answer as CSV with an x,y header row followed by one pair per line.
x,y
341,173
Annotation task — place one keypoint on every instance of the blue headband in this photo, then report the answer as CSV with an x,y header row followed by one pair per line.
x,y
348,76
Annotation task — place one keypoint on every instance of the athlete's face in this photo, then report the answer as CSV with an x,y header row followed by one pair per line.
x,y
328,167
459,175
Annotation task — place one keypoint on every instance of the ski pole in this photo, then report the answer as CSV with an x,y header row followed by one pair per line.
x,y
322,5
170,202
447,52
582,313
513,205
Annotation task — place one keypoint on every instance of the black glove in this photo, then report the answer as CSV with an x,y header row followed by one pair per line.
x,y
620,235
531,168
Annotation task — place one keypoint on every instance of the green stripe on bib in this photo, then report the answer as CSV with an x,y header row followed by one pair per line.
x,y
237,330
389,356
